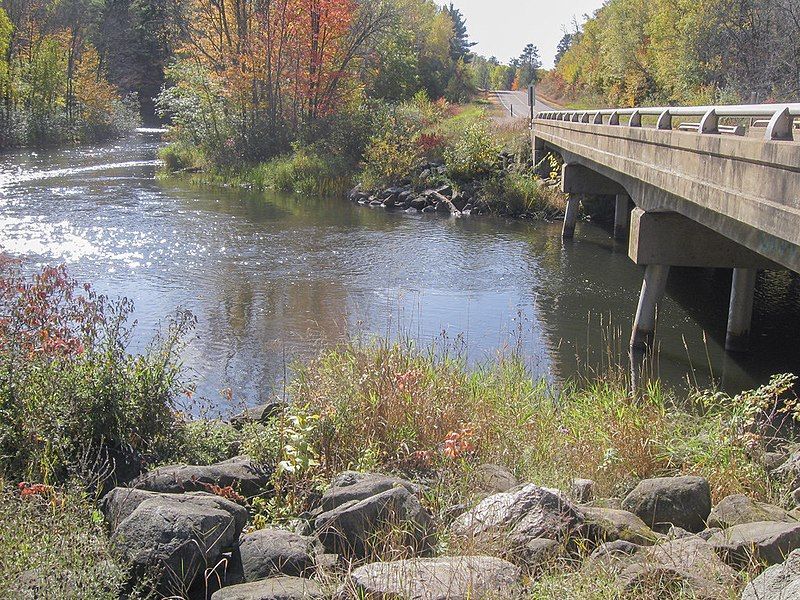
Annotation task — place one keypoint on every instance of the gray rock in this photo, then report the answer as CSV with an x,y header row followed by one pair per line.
x,y
665,501
763,541
608,525
538,553
678,533
773,460
349,528
582,490
174,539
789,470
352,485
241,473
518,516
258,414
706,534
779,582
270,552
452,578
739,509
120,503
615,556
277,588
614,503
684,562
494,478
668,582
419,203
429,209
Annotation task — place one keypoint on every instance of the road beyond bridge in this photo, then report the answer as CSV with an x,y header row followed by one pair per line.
x,y
708,187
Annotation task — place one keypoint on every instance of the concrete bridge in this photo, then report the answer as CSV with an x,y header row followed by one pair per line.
x,y
711,186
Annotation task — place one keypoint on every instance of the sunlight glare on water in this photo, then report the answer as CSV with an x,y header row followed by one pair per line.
x,y
272,278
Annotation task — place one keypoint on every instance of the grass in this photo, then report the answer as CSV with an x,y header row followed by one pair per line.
x,y
411,403
54,546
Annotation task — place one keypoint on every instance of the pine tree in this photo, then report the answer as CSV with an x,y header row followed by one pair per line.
x,y
460,45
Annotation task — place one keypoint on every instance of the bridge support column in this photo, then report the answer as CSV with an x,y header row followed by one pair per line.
x,y
740,314
571,217
621,216
655,283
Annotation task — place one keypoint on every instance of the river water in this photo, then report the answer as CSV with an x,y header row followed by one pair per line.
x,y
272,278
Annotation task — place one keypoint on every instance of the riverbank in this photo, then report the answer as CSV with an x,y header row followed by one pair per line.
x,y
385,451
482,163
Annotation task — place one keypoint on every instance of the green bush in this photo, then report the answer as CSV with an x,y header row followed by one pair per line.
x,y
54,545
304,172
474,156
523,193
68,387
179,156
204,442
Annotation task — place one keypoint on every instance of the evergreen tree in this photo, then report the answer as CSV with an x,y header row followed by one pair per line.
x,y
460,46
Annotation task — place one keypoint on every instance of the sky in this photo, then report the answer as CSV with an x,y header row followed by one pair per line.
x,y
502,28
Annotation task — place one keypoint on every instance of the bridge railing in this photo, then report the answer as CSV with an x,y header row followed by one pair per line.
x,y
777,118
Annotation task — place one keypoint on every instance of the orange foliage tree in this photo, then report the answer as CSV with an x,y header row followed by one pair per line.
x,y
277,65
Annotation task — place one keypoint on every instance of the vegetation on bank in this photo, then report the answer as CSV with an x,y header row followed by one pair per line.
x,y
70,394
419,142
53,80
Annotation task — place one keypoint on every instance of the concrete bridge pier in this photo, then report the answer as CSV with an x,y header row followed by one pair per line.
x,y
660,240
740,313
653,288
622,215
578,180
571,217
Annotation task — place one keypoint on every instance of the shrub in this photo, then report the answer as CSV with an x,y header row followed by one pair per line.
x,y
303,172
522,193
204,442
69,388
179,156
57,541
474,156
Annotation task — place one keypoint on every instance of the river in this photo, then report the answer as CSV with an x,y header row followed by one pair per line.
x,y
272,278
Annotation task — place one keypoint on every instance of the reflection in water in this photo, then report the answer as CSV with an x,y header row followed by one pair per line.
x,y
273,278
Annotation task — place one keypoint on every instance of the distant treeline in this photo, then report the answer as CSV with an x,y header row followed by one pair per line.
x,y
635,52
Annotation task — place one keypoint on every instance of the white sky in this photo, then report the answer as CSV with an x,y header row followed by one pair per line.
x,y
502,28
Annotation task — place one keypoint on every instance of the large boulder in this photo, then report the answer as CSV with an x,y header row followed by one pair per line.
x,y
516,517
351,528
608,525
173,539
492,479
258,414
739,509
450,578
351,485
277,588
763,541
665,501
241,473
779,582
120,503
270,552
687,562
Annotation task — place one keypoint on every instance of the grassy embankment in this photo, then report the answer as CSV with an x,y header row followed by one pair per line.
x,y
388,146
71,394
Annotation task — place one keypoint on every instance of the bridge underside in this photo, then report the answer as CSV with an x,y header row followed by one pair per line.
x,y
700,201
